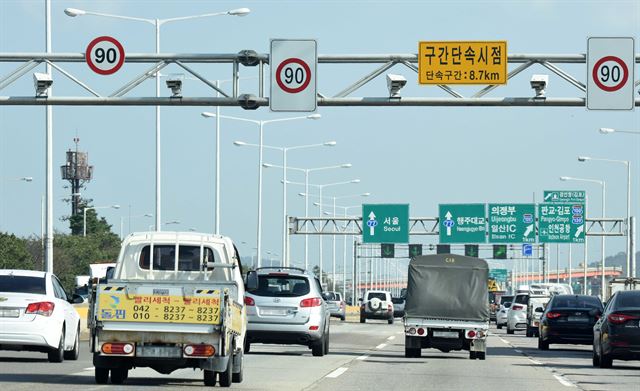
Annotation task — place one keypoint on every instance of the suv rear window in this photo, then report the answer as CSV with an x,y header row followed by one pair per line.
x,y
397,300
282,286
22,284
521,299
377,295
575,302
164,257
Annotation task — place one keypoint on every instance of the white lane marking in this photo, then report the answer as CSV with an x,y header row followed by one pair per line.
x,y
535,362
363,357
518,351
504,340
563,381
391,338
337,372
89,369
381,346
400,332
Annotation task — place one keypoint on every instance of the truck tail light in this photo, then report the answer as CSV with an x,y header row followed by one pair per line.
x,y
199,350
44,308
553,315
412,330
249,301
311,302
471,334
117,348
620,318
420,331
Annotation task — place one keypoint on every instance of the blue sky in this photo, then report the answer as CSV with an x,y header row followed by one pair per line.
x,y
421,156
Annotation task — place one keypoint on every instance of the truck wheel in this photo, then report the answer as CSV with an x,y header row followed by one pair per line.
x,y
225,378
481,355
317,349
57,354
529,333
473,355
101,375
74,353
209,378
247,345
343,317
118,375
238,377
509,331
499,326
390,320
362,319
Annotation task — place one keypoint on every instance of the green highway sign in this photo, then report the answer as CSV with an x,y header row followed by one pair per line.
x,y
415,250
564,196
512,223
385,223
462,223
387,250
499,274
561,223
499,251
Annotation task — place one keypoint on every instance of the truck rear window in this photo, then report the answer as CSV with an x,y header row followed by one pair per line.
x,y
164,257
282,286
22,284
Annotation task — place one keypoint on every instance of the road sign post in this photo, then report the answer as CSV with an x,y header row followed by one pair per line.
x,y
561,223
385,223
293,66
104,55
462,223
610,73
512,223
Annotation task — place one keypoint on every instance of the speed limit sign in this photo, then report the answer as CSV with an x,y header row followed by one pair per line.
x,y
104,55
293,66
610,64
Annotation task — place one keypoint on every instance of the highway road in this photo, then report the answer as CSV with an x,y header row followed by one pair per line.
x,y
362,357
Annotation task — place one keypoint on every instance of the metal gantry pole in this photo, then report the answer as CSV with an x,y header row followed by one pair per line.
x,y
333,245
306,215
49,151
631,265
586,251
603,294
260,154
158,149
284,207
217,190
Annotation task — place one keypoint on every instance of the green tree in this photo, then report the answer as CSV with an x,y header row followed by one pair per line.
x,y
95,224
14,253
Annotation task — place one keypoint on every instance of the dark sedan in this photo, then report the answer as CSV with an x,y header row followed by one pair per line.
x,y
617,334
568,319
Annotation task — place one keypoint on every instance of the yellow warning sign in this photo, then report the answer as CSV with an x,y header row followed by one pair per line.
x,y
462,62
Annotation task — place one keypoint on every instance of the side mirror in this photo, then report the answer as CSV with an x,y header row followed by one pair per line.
x,y
325,296
76,299
539,309
252,281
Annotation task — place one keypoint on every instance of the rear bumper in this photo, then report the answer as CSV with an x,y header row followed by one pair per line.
x,y
376,315
39,335
575,335
283,333
337,313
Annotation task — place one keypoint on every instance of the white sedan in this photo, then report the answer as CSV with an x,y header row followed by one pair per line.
x,y
36,315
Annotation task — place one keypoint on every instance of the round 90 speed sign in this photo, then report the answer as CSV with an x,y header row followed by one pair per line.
x,y
104,55
293,75
610,73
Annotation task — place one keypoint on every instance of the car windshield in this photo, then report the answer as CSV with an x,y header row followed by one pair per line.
x,y
522,299
377,295
282,286
22,284
628,300
576,302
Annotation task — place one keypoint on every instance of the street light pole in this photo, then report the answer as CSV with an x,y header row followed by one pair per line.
x,y
49,153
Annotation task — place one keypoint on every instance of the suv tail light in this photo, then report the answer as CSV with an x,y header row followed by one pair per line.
x,y
311,302
390,308
516,307
621,318
553,315
44,308
249,301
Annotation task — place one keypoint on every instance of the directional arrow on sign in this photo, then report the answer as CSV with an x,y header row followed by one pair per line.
x,y
447,224
579,231
372,223
528,231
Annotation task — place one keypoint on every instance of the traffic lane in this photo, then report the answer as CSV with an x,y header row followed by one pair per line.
x,y
574,363
387,369
267,367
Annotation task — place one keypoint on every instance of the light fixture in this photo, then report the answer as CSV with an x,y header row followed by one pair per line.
x,y
73,12
314,116
395,84
606,130
42,82
330,143
239,12
583,158
239,143
564,178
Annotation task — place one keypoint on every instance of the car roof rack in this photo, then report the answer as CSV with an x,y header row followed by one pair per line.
x,y
282,267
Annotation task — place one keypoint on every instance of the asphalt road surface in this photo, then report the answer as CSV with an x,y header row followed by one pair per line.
x,y
362,357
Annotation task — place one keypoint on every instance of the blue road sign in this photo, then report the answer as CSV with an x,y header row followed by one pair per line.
x,y
527,250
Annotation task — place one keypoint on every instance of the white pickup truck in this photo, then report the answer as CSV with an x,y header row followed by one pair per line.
x,y
175,301
447,306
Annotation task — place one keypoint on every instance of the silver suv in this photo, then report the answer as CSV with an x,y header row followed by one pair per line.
x,y
287,308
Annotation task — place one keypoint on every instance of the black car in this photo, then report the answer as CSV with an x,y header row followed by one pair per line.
x,y
568,319
617,334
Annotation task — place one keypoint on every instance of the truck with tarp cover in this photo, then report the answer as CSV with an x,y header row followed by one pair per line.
x,y
447,305
175,301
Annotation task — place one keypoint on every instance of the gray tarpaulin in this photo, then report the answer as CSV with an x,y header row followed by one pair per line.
x,y
448,286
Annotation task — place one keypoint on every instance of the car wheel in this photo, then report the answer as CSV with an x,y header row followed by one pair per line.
x,y
209,378
390,320
57,354
326,343
509,331
101,375
529,333
362,319
543,345
594,357
74,353
118,375
606,361
238,377
317,349
225,378
342,318
499,327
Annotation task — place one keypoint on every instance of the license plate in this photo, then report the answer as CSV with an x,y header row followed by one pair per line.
x,y
159,351
273,312
578,319
9,313
446,334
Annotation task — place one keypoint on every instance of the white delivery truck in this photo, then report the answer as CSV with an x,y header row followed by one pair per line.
x,y
175,301
447,306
